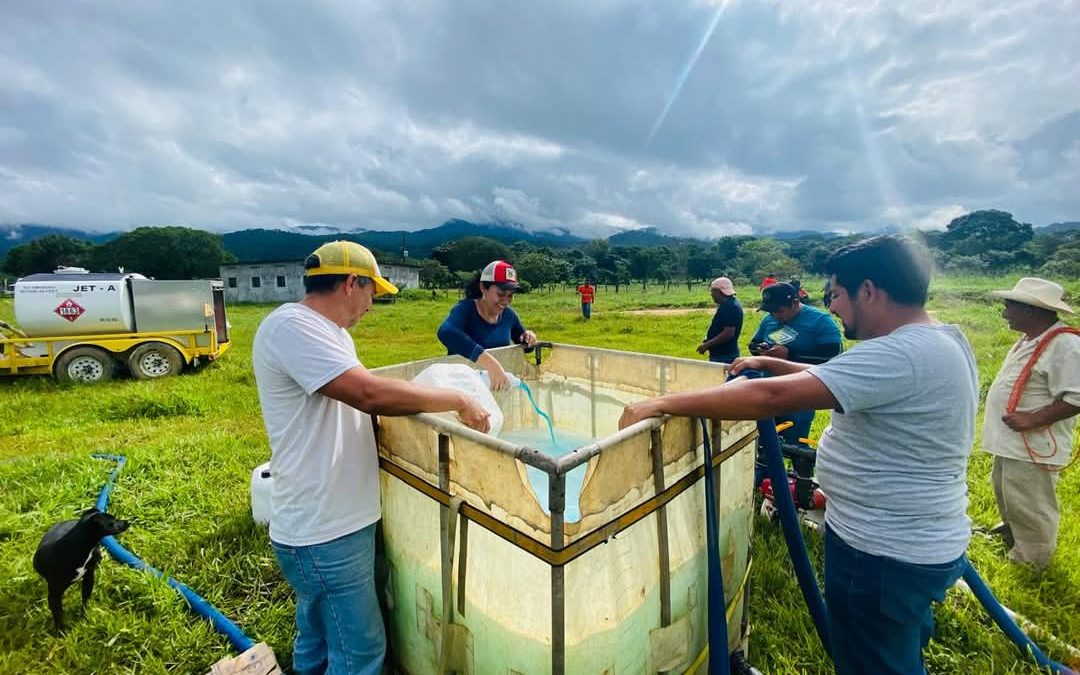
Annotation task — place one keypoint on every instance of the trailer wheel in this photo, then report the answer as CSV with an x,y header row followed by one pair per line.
x,y
153,360
84,364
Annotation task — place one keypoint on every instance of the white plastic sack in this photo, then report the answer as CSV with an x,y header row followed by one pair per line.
x,y
463,378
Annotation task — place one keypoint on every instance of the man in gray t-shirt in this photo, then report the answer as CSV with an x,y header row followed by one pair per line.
x,y
892,463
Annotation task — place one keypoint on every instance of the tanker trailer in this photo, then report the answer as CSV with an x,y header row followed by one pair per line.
x,y
82,326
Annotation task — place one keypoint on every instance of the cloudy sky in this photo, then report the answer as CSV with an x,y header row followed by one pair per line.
x,y
701,118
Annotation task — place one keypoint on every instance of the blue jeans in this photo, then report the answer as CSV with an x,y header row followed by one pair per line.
x,y
880,616
586,309
723,358
339,630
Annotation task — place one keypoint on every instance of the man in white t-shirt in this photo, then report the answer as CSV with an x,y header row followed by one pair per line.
x,y
1030,418
893,462
317,401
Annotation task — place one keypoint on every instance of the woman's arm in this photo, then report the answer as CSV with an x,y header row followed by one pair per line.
x,y
518,333
453,335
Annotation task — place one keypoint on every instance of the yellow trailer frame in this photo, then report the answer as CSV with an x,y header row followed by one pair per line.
x,y
185,341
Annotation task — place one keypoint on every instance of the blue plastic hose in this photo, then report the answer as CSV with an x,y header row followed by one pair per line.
x,y
197,604
789,524
1006,624
717,607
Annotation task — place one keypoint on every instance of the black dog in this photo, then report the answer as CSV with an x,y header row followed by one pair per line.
x,y
70,551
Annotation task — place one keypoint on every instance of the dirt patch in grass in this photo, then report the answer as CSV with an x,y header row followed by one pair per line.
x,y
669,312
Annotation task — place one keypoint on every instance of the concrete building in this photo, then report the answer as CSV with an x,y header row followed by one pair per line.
x,y
283,280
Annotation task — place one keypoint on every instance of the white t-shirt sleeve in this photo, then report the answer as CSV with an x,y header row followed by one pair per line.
x,y
312,352
870,374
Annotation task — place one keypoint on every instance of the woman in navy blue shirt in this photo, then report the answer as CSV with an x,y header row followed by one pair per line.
x,y
484,320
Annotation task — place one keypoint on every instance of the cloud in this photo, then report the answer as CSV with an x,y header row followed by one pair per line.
x,y
595,117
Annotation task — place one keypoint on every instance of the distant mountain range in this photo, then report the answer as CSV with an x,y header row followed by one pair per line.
x,y
248,245
264,244
1057,228
646,236
17,235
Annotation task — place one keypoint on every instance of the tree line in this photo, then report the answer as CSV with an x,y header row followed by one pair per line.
x,y
983,242
160,252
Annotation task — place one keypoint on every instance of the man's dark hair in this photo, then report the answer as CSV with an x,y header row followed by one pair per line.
x,y
896,264
323,283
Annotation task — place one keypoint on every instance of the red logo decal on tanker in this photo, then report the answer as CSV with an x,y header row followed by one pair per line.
x,y
70,310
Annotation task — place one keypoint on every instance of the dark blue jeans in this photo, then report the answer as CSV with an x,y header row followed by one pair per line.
x,y
586,309
339,629
723,358
880,615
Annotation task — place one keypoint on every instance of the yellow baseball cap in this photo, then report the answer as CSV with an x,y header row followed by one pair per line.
x,y
347,257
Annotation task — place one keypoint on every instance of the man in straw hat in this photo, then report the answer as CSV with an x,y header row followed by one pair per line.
x,y
1029,420
317,401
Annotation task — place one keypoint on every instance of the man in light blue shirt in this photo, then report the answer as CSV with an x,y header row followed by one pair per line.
x,y
795,332
893,462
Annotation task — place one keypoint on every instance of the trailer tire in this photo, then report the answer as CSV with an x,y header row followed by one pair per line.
x,y
152,360
84,364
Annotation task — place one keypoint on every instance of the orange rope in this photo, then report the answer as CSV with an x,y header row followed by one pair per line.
x,y
1018,391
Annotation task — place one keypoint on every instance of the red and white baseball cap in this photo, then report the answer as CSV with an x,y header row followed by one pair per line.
x,y
502,274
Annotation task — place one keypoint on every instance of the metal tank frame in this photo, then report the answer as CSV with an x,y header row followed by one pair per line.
x,y
560,551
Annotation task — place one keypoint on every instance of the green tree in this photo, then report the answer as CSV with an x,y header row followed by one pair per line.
x,y
642,261
726,249
813,251
1043,247
520,248
982,231
471,254
1065,262
702,264
435,275
597,248
759,257
539,268
171,252
617,273
664,271
583,266
47,253
612,269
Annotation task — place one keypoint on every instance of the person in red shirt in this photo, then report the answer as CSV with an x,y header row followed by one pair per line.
x,y
769,280
587,292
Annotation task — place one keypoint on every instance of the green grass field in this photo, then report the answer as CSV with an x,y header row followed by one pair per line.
x,y
193,440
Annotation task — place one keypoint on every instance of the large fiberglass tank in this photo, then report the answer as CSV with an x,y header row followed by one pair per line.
x,y
72,301
580,554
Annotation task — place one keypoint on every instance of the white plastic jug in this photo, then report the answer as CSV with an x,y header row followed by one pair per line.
x,y
262,484
463,378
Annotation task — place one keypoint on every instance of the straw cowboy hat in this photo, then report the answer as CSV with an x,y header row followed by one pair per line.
x,y
1037,293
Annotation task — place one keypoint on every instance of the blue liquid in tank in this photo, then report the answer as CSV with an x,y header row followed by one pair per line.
x,y
540,439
